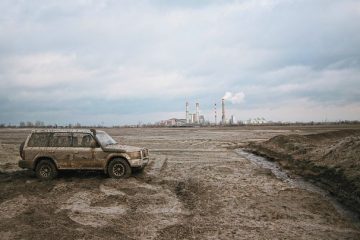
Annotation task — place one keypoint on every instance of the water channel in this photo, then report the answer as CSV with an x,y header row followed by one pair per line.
x,y
299,182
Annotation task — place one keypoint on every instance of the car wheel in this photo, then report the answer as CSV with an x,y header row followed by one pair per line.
x,y
46,170
119,168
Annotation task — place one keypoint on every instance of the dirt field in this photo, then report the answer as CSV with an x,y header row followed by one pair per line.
x,y
196,187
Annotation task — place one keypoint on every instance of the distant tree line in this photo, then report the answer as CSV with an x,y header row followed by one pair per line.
x,y
157,125
41,124
31,124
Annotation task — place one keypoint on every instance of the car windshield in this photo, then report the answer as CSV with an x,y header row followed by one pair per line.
x,y
105,139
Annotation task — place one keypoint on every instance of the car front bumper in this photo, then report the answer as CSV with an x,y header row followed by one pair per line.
x,y
141,162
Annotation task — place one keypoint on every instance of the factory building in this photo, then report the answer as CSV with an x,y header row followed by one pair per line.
x,y
233,120
173,122
194,118
201,120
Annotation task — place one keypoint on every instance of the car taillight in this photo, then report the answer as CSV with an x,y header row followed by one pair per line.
x,y
145,152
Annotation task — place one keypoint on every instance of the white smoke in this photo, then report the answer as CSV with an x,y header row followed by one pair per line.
x,y
234,98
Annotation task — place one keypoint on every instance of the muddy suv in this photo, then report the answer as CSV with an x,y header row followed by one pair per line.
x,y
47,151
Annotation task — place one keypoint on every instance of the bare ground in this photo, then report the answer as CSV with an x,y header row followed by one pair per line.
x,y
195,187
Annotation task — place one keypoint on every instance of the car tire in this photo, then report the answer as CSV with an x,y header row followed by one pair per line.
x,y
46,170
119,168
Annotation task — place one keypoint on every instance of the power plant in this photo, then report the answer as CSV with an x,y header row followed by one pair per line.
x,y
194,118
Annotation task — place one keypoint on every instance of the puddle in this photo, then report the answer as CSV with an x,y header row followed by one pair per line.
x,y
264,163
299,182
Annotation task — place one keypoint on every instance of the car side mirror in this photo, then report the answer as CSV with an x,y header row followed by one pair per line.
x,y
93,144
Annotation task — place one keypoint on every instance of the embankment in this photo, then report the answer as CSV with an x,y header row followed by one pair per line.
x,y
330,160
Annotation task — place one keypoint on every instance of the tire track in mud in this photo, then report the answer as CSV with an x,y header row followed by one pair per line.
x,y
159,164
185,191
130,204
194,193
94,203
188,192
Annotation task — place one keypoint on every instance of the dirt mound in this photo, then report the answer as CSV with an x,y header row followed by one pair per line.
x,y
331,159
333,135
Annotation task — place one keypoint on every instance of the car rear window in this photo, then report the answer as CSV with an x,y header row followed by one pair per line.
x,y
39,140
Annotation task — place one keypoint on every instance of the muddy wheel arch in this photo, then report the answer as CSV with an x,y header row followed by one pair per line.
x,y
115,156
40,158
21,149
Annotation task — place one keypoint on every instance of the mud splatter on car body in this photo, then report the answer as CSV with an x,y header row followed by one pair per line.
x,y
79,150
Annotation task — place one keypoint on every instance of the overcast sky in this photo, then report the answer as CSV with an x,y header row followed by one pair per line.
x,y
124,62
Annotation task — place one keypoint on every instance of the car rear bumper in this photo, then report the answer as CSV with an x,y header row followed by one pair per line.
x,y
24,164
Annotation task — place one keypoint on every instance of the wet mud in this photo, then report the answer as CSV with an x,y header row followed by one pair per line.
x,y
196,187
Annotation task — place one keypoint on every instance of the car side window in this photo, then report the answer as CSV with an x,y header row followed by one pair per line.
x,y
39,140
60,140
82,140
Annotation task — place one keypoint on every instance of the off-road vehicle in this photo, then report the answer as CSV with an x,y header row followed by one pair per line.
x,y
48,151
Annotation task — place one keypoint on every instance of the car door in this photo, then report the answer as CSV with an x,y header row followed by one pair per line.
x,y
60,149
83,153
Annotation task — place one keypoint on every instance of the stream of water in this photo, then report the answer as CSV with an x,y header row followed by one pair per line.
x,y
298,182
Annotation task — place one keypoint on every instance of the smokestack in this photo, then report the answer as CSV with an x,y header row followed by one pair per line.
x,y
187,112
223,119
197,113
215,114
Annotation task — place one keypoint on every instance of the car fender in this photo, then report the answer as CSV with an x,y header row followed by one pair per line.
x,y
115,155
40,156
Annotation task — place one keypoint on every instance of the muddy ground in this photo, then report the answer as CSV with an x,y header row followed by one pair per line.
x,y
330,160
196,187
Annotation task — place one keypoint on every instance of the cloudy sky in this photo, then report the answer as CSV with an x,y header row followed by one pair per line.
x,y
124,62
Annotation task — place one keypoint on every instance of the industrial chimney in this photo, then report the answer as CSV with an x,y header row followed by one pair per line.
x,y
215,114
223,119
187,112
197,113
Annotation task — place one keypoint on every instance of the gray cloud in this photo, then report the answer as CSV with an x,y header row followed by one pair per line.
x,y
149,56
